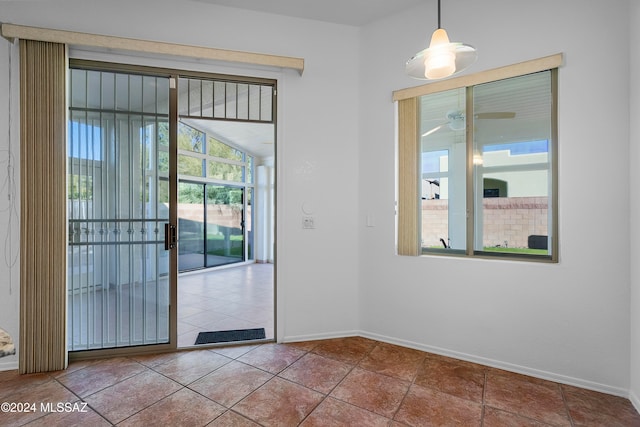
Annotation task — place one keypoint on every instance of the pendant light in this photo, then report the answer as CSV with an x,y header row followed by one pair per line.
x,y
442,58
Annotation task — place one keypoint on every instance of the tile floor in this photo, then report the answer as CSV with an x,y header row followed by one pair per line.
x,y
236,297
338,382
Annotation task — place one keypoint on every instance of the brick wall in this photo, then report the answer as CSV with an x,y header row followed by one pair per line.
x,y
506,219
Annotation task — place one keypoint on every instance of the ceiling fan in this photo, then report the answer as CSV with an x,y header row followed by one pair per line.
x,y
456,119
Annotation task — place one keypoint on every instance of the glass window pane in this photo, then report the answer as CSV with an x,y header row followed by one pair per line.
x,y
266,103
93,90
135,93
190,139
163,134
254,102
108,90
149,94
122,92
195,98
219,99
183,96
225,171
443,170
512,165
162,98
163,162
191,166
216,148
249,178
78,89
231,101
243,101
207,98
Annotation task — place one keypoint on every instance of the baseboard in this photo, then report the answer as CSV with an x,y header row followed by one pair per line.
x,y
550,376
323,336
10,365
635,400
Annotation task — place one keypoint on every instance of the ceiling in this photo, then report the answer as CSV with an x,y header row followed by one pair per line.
x,y
256,139
347,12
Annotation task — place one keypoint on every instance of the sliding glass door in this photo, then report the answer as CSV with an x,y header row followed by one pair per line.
x,y
118,205
162,178
225,225
211,225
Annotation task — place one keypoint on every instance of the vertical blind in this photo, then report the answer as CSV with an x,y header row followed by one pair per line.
x,y
408,149
43,208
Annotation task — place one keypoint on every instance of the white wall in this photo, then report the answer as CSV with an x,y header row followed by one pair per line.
x,y
9,202
568,321
317,270
634,160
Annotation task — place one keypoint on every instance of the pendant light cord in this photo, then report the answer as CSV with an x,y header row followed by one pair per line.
x,y
439,26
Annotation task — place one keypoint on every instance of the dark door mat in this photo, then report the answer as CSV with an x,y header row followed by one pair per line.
x,y
229,336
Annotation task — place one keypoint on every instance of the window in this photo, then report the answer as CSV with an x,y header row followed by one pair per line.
x,y
477,164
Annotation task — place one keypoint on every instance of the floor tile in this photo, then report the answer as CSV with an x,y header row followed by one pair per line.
x,y
186,311
231,419
271,357
191,365
279,403
496,418
350,350
100,375
588,408
203,319
47,392
393,360
456,377
132,395
317,372
375,392
71,419
233,351
12,382
426,407
150,360
183,408
303,345
530,397
231,383
334,413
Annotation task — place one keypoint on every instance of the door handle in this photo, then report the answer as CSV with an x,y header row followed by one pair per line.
x,y
170,238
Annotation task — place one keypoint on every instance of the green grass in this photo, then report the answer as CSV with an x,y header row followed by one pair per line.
x,y
516,250
233,237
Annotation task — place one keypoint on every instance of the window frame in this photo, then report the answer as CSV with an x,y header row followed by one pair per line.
x,y
409,152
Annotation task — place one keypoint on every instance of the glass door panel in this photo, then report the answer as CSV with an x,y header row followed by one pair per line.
x,y
225,225
118,203
191,226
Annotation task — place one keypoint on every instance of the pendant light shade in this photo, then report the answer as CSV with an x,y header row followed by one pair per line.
x,y
442,58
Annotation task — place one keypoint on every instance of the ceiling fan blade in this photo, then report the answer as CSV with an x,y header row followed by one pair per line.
x,y
435,129
496,115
